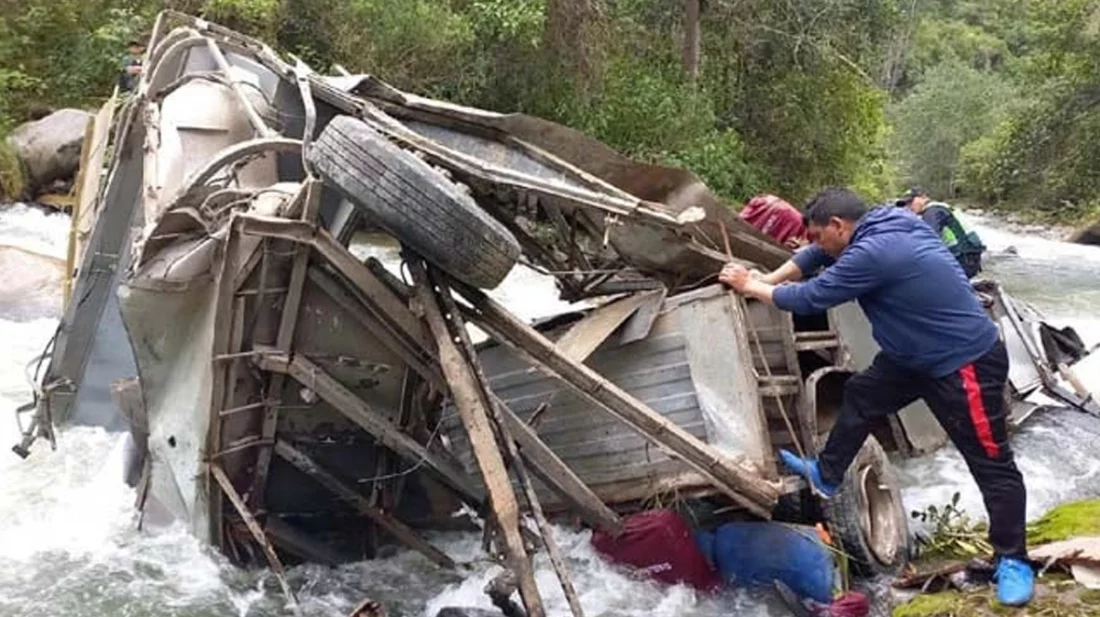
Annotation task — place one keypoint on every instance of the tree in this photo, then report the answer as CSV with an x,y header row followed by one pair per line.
x,y
691,39
574,36
954,105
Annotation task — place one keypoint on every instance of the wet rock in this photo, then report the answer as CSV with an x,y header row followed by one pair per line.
x,y
368,608
49,148
454,611
1088,234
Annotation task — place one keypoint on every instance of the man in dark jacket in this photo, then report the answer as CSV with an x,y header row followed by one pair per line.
x,y
937,344
964,244
130,66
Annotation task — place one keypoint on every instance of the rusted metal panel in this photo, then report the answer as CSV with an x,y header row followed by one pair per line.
x,y
639,324
683,356
592,443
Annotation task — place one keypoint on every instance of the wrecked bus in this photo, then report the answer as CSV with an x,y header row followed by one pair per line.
x,y
290,402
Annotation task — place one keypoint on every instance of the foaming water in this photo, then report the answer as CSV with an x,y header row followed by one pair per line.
x,y
1059,278
34,229
1055,450
68,544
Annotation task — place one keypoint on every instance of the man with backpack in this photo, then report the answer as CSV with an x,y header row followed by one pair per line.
x,y
130,66
964,245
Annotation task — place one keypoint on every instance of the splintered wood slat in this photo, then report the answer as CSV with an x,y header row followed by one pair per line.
x,y
497,417
255,529
472,410
586,335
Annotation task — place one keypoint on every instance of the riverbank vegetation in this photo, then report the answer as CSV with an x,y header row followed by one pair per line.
x,y
951,537
991,101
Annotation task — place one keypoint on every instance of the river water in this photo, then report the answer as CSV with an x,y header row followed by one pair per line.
x,y
68,545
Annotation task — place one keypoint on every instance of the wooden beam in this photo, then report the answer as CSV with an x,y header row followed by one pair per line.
x,y
256,530
740,484
334,393
396,528
221,382
310,197
497,416
474,413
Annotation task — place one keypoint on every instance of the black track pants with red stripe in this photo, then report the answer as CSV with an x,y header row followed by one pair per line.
x,y
970,405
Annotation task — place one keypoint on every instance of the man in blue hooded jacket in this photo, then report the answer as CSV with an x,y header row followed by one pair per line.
x,y
937,344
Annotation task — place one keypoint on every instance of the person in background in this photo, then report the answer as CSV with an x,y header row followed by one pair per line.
x,y
777,218
937,344
130,67
965,245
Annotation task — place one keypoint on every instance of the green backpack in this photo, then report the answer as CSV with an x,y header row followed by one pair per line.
x,y
958,239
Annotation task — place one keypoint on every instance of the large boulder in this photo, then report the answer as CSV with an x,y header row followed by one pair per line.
x,y
1087,234
49,148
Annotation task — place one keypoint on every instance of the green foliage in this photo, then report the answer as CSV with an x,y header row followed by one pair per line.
x,y
257,17
642,109
814,129
719,159
951,534
1055,597
785,101
416,44
1041,157
953,106
954,537
12,182
500,21
945,604
61,53
1017,115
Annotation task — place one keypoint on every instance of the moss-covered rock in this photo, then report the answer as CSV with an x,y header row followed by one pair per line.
x,y
946,604
1052,599
1057,595
1080,518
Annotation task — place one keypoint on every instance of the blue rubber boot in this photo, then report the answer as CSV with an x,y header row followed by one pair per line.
x,y
808,469
1015,582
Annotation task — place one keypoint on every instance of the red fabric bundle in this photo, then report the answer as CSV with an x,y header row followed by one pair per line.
x,y
659,543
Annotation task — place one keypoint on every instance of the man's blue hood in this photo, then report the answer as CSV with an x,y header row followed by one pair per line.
x,y
923,312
